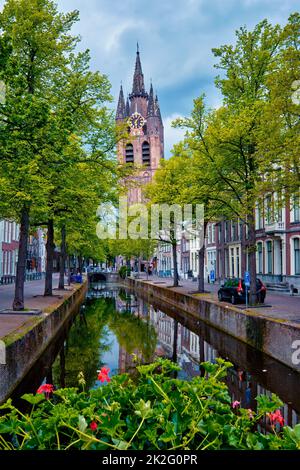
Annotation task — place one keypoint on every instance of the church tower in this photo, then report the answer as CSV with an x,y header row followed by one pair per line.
x,y
145,147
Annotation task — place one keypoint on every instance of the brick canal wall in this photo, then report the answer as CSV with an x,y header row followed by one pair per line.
x,y
25,346
271,336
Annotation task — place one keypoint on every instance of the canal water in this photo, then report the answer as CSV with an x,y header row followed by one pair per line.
x,y
119,329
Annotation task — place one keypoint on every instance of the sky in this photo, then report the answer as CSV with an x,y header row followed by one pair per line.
x,y
175,40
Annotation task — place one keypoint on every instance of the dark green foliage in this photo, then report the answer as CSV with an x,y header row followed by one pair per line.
x,y
155,411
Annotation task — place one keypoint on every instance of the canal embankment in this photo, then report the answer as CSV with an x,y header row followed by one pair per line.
x,y
274,336
25,336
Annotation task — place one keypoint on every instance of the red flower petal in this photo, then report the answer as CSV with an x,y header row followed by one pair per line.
x,y
93,426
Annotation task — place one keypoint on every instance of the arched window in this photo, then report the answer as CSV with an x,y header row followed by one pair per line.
x,y
259,257
297,256
129,157
269,257
146,154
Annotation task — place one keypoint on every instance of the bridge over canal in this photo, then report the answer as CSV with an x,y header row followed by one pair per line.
x,y
103,276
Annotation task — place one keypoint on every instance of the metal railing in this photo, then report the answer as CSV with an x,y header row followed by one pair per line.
x,y
10,279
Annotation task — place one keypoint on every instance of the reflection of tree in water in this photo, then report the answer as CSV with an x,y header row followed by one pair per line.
x,y
87,341
134,334
85,344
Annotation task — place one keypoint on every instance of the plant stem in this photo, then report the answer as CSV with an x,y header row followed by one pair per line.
x,y
141,424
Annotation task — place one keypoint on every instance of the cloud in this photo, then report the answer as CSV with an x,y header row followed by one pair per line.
x,y
172,136
176,38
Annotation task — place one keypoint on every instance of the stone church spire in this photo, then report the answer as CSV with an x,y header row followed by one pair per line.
x,y
151,104
138,87
121,111
157,109
127,111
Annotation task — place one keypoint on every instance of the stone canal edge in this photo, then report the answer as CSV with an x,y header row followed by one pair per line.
x,y
278,338
25,345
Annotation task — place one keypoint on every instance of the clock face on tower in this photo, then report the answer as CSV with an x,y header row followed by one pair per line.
x,y
136,121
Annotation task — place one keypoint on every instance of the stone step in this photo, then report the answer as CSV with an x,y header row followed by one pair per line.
x,y
277,284
278,288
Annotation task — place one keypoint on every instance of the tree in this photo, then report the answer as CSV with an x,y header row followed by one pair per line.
x,y
230,135
198,184
279,139
35,44
76,137
167,188
234,130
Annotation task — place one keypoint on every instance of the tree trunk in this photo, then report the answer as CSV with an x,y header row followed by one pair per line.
x,y
69,270
18,303
201,258
50,256
61,284
252,259
174,252
201,261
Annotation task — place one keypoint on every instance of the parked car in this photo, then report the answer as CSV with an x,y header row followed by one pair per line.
x,y
234,290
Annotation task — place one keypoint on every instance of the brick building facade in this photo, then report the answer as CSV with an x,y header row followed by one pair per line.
x,y
277,243
226,254
9,243
9,246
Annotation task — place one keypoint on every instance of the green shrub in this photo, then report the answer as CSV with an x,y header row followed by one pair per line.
x,y
124,271
152,411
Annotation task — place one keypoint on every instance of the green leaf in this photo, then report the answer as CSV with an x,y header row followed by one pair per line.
x,y
143,409
8,427
268,404
7,405
33,399
293,434
82,424
253,442
121,445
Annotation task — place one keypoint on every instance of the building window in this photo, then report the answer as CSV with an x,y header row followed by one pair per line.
x,y
219,232
129,153
233,231
238,262
269,258
296,209
259,217
226,231
209,234
297,255
259,258
232,261
213,233
146,154
269,210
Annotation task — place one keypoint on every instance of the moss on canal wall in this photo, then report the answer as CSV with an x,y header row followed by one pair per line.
x,y
271,336
25,345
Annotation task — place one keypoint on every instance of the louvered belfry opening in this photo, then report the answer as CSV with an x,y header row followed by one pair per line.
x,y
129,154
146,154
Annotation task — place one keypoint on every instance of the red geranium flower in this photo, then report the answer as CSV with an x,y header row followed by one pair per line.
x,y
276,417
103,375
46,389
93,426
